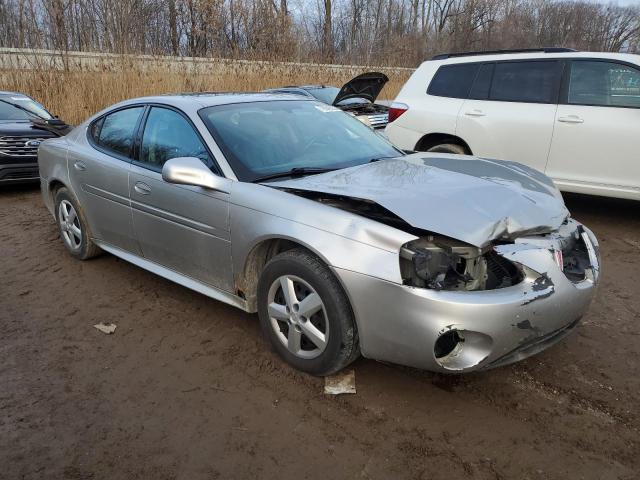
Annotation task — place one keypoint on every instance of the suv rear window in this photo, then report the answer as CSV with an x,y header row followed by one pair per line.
x,y
527,82
453,81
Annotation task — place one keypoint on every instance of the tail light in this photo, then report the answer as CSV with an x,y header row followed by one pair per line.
x,y
396,109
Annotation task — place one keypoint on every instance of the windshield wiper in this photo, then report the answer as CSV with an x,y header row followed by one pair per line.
x,y
377,159
294,172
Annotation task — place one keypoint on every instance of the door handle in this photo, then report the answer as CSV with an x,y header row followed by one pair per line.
x,y
475,113
142,188
570,119
78,165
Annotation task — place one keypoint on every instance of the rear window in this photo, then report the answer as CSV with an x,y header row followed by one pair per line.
x,y
453,81
527,82
115,131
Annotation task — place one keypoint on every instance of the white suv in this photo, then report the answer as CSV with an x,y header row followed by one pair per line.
x,y
572,115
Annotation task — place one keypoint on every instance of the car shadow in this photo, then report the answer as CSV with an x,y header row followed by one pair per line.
x,y
19,188
601,208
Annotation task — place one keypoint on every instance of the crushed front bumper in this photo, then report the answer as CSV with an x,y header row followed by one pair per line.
x,y
401,324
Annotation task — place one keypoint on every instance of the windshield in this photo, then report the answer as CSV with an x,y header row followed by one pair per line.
x,y
16,112
324,94
265,138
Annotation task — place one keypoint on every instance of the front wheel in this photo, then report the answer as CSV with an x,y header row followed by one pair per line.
x,y
305,314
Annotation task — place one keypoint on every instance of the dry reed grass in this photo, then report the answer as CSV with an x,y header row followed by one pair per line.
x,y
76,94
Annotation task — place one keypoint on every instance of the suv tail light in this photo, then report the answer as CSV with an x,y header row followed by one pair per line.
x,y
396,109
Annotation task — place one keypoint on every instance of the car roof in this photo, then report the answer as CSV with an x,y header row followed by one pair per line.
x,y
492,57
210,99
191,102
198,100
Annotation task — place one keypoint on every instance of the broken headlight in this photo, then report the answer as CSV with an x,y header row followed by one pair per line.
x,y
441,263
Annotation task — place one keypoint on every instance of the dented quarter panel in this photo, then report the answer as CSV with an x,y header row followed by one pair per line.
x,y
471,199
342,239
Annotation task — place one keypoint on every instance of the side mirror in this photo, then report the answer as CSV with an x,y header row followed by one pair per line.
x,y
191,171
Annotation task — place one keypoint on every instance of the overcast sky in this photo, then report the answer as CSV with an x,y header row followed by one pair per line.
x,y
622,3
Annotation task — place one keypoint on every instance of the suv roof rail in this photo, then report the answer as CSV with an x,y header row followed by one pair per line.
x,y
444,56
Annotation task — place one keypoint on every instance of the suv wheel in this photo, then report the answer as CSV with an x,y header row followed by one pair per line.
x,y
305,314
448,148
73,227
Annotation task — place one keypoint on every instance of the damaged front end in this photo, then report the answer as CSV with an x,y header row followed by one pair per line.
x,y
441,263
559,266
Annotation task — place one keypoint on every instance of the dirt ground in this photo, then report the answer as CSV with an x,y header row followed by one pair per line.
x,y
187,389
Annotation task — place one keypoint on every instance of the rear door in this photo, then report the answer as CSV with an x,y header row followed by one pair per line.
x,y
510,111
181,227
99,174
596,145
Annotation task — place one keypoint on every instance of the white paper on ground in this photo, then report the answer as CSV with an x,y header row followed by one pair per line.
x,y
107,328
341,382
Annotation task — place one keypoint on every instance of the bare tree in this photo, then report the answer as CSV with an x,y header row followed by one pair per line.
x,y
390,32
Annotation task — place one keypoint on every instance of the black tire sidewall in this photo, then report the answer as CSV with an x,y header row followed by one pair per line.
x,y
448,148
339,314
64,194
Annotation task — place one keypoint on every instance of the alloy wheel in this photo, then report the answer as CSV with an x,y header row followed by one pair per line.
x,y
298,316
69,225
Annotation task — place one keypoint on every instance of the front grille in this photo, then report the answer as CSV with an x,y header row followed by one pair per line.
x,y
19,173
16,146
378,120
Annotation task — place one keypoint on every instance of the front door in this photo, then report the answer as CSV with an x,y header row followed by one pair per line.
x,y
180,227
510,111
596,144
99,174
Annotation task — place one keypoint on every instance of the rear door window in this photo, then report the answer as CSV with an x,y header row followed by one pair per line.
x,y
116,131
482,84
606,84
453,81
526,82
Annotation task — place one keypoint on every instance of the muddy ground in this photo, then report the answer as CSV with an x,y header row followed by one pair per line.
x,y
186,388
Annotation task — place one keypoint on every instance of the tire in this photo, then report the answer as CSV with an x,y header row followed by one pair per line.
x,y
280,319
73,227
448,148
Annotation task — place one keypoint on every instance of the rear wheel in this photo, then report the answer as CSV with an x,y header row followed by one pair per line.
x,y
305,314
448,148
73,227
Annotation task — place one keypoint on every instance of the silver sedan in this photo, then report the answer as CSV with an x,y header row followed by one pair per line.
x,y
343,244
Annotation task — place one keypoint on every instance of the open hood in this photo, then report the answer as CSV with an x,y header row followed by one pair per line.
x,y
471,199
367,85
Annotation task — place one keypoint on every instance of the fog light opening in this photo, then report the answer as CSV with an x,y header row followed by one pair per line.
x,y
458,350
447,343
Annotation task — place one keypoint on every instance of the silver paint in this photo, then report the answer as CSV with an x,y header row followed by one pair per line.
x,y
215,241
473,200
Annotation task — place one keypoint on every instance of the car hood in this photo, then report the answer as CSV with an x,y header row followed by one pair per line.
x,y
474,200
13,127
367,85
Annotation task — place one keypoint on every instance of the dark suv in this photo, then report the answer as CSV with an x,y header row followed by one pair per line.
x,y
20,136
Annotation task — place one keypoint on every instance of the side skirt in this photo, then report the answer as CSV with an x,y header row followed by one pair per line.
x,y
176,277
